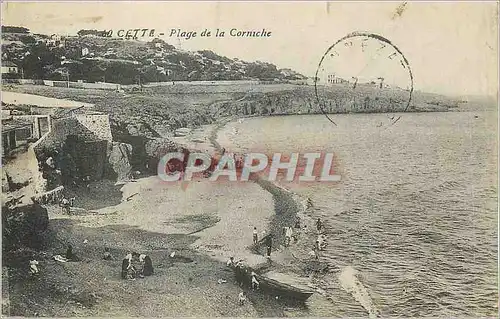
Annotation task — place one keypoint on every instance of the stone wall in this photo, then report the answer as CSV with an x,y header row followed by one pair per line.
x,y
82,142
60,130
87,127
97,124
40,123
39,183
84,158
83,85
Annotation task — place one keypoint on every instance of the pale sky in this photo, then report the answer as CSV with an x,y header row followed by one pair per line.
x,y
451,47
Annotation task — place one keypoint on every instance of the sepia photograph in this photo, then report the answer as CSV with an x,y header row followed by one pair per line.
x,y
250,159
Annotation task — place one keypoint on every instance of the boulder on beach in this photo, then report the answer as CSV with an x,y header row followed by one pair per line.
x,y
119,160
23,225
138,128
157,147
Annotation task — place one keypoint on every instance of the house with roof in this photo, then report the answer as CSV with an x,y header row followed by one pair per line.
x,y
9,67
15,133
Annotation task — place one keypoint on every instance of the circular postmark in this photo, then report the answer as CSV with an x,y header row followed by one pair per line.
x,y
363,73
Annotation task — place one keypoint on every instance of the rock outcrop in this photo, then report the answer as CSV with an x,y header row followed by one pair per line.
x,y
23,225
6,182
119,160
155,149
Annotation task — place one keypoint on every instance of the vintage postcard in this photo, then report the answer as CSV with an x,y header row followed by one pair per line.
x,y
249,159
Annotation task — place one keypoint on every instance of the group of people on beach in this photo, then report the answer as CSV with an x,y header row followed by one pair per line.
x,y
320,243
66,204
291,236
245,275
133,265
69,256
136,265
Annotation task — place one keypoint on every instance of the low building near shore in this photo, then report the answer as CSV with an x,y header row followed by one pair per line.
x,y
83,137
15,134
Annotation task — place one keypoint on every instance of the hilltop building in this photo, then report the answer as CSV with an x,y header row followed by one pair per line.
x,y
9,67
333,79
85,51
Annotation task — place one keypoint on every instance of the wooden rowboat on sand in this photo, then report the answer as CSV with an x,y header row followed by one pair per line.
x,y
268,285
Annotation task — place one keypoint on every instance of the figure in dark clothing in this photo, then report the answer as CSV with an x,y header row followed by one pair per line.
x,y
239,274
316,250
147,265
269,245
107,254
319,224
125,264
70,255
297,222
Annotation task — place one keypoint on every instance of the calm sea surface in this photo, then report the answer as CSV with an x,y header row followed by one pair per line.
x,y
415,213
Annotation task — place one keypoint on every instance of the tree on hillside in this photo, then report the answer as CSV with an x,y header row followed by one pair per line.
x,y
38,57
214,56
164,44
149,74
97,33
123,73
13,29
262,71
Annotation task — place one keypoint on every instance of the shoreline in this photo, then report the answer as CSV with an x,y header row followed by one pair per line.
x,y
288,205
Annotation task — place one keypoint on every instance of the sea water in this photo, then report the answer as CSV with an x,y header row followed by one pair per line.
x,y
412,225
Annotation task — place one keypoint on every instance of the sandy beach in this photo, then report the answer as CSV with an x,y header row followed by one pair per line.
x,y
203,222
222,215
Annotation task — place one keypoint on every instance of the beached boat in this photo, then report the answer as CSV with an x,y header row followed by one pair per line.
x,y
272,286
282,289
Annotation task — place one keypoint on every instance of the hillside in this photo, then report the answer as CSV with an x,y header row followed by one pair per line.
x,y
193,105
93,58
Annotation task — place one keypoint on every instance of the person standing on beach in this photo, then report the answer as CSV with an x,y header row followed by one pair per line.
x,y
288,236
297,222
34,267
317,245
242,298
239,274
255,236
255,282
65,206
316,251
269,245
319,225
147,265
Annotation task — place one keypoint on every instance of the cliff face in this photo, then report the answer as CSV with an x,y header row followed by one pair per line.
x,y
119,167
338,100
146,120
137,146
